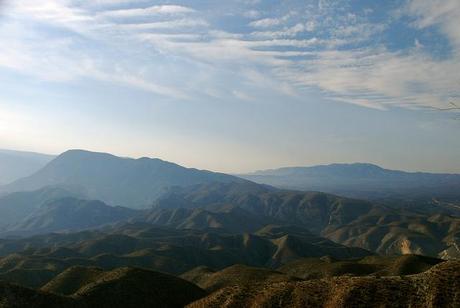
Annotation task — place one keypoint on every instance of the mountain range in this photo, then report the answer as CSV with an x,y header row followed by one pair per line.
x,y
352,222
90,226
361,181
134,183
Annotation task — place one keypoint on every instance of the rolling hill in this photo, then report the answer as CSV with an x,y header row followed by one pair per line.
x,y
34,261
351,222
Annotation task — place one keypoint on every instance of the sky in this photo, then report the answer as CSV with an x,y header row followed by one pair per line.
x,y
235,86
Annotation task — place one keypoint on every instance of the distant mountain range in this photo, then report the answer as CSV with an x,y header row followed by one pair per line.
x,y
361,181
134,183
16,164
137,183
231,242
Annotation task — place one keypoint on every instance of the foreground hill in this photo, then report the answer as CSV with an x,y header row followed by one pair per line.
x,y
347,221
122,287
237,286
73,279
114,180
309,268
361,181
437,287
15,164
131,287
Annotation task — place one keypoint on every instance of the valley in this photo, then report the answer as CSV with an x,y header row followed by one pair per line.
x,y
216,239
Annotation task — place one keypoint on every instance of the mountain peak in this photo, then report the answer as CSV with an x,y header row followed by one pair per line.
x,y
115,180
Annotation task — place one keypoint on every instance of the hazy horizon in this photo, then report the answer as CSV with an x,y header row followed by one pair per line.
x,y
235,87
223,171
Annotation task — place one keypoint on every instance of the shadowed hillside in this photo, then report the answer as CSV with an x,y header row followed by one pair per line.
x,y
72,279
122,287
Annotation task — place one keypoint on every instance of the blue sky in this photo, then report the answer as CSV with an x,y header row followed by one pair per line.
x,y
235,85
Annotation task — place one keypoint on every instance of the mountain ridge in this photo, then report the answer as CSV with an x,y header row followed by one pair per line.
x,y
361,180
115,180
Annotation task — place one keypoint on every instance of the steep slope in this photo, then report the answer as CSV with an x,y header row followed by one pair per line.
x,y
16,164
438,287
360,181
69,214
115,180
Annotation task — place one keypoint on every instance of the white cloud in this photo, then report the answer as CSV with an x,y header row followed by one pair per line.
x,y
265,23
286,32
242,95
253,14
445,13
149,11
170,24
370,76
273,21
